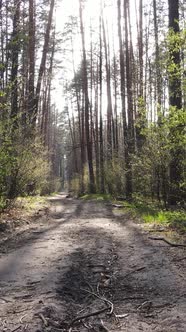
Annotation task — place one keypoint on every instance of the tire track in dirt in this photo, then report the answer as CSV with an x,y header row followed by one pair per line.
x,y
84,249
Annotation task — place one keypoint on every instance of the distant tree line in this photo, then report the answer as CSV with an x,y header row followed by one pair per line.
x,y
125,106
29,157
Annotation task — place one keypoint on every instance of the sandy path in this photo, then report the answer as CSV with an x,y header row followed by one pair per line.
x,y
85,247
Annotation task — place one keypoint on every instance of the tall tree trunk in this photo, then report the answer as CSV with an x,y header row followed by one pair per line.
x,y
15,42
140,46
158,70
2,85
73,139
87,106
47,109
122,75
116,145
102,181
130,131
109,95
31,53
80,123
175,100
175,97
96,84
43,62
140,116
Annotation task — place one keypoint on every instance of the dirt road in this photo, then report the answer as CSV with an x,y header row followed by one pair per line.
x,y
82,258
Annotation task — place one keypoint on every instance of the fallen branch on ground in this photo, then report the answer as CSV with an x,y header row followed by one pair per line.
x,y
20,311
119,206
102,299
5,300
104,328
156,230
88,327
21,319
146,305
168,242
17,328
179,259
45,322
136,270
89,285
94,313
122,316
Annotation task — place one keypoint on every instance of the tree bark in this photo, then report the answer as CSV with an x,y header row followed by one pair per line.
x,y
109,95
15,43
130,131
87,106
102,182
43,63
175,100
31,54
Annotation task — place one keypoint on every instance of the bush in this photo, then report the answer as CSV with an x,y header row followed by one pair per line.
x,y
115,176
24,166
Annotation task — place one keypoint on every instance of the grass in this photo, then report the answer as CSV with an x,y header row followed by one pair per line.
x,y
31,203
2,203
150,213
28,203
96,197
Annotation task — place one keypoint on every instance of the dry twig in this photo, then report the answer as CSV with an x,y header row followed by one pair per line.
x,y
20,311
104,327
17,328
136,270
168,242
122,316
43,319
21,319
102,299
5,300
94,313
179,259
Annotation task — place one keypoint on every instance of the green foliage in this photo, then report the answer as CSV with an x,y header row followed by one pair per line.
x,y
97,197
175,40
151,164
152,213
177,127
141,120
7,160
174,44
32,168
50,185
3,203
31,203
114,176
153,159
24,166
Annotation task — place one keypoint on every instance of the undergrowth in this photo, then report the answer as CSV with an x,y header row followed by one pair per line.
x,y
97,197
30,203
152,213
147,212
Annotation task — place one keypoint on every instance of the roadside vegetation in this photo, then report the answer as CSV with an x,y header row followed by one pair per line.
x,y
22,211
147,212
120,130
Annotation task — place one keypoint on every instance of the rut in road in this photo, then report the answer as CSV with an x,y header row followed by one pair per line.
x,y
81,259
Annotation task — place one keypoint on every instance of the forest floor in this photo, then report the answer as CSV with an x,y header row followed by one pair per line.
x,y
84,266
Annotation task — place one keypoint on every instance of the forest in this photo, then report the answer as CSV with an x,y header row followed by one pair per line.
x,y
92,165
94,102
